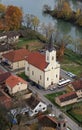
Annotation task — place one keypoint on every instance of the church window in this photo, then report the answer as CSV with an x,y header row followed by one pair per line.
x,y
64,125
32,72
40,77
28,68
58,124
56,75
52,57
47,78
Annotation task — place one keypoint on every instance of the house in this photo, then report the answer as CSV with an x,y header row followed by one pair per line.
x,y
77,87
5,48
50,123
35,105
9,37
16,58
3,77
15,84
43,69
7,40
66,99
5,100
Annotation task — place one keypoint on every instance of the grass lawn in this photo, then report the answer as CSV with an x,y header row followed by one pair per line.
x,y
22,75
76,112
72,62
52,96
32,44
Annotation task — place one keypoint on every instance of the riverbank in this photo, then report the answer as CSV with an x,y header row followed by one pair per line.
x,y
72,18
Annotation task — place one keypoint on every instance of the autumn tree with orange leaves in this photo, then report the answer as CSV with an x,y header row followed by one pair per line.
x,y
13,18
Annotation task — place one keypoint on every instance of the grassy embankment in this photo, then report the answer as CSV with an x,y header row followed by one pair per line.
x,y
72,62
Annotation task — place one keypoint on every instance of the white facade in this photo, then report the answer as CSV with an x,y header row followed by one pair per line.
x,y
49,76
17,88
41,107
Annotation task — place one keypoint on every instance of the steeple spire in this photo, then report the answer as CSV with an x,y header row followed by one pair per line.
x,y
50,44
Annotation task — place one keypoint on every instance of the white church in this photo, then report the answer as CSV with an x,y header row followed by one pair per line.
x,y
43,68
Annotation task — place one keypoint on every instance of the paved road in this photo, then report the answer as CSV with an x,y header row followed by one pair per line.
x,y
55,110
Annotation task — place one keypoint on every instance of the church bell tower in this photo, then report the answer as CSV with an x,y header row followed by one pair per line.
x,y
50,52
61,124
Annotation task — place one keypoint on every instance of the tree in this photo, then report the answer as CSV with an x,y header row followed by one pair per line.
x,y
13,17
28,20
32,21
78,13
35,22
1,25
4,122
47,29
79,20
65,40
2,10
46,9
66,10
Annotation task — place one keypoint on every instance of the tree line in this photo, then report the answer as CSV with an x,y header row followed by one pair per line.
x,y
64,11
11,18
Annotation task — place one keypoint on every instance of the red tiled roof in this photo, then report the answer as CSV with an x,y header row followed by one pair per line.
x,y
16,55
5,99
38,60
1,71
67,96
32,102
77,85
45,120
4,76
13,80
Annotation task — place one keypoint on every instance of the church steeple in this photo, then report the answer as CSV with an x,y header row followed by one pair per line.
x,y
50,52
50,44
61,125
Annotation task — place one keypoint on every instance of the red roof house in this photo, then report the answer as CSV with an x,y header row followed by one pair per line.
x,y
5,100
15,59
66,99
16,84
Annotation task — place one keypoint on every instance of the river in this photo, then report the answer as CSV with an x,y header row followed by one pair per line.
x,y
35,7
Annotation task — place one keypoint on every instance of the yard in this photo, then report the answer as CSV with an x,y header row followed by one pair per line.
x,y
72,62
52,96
30,44
76,112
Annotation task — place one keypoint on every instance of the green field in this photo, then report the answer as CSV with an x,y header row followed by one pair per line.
x,y
30,44
72,62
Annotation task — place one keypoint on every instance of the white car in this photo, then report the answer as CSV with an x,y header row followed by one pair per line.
x,y
51,114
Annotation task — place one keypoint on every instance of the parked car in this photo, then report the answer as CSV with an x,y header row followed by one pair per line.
x,y
51,114
71,75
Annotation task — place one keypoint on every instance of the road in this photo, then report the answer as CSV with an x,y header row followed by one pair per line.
x,y
70,123
41,92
